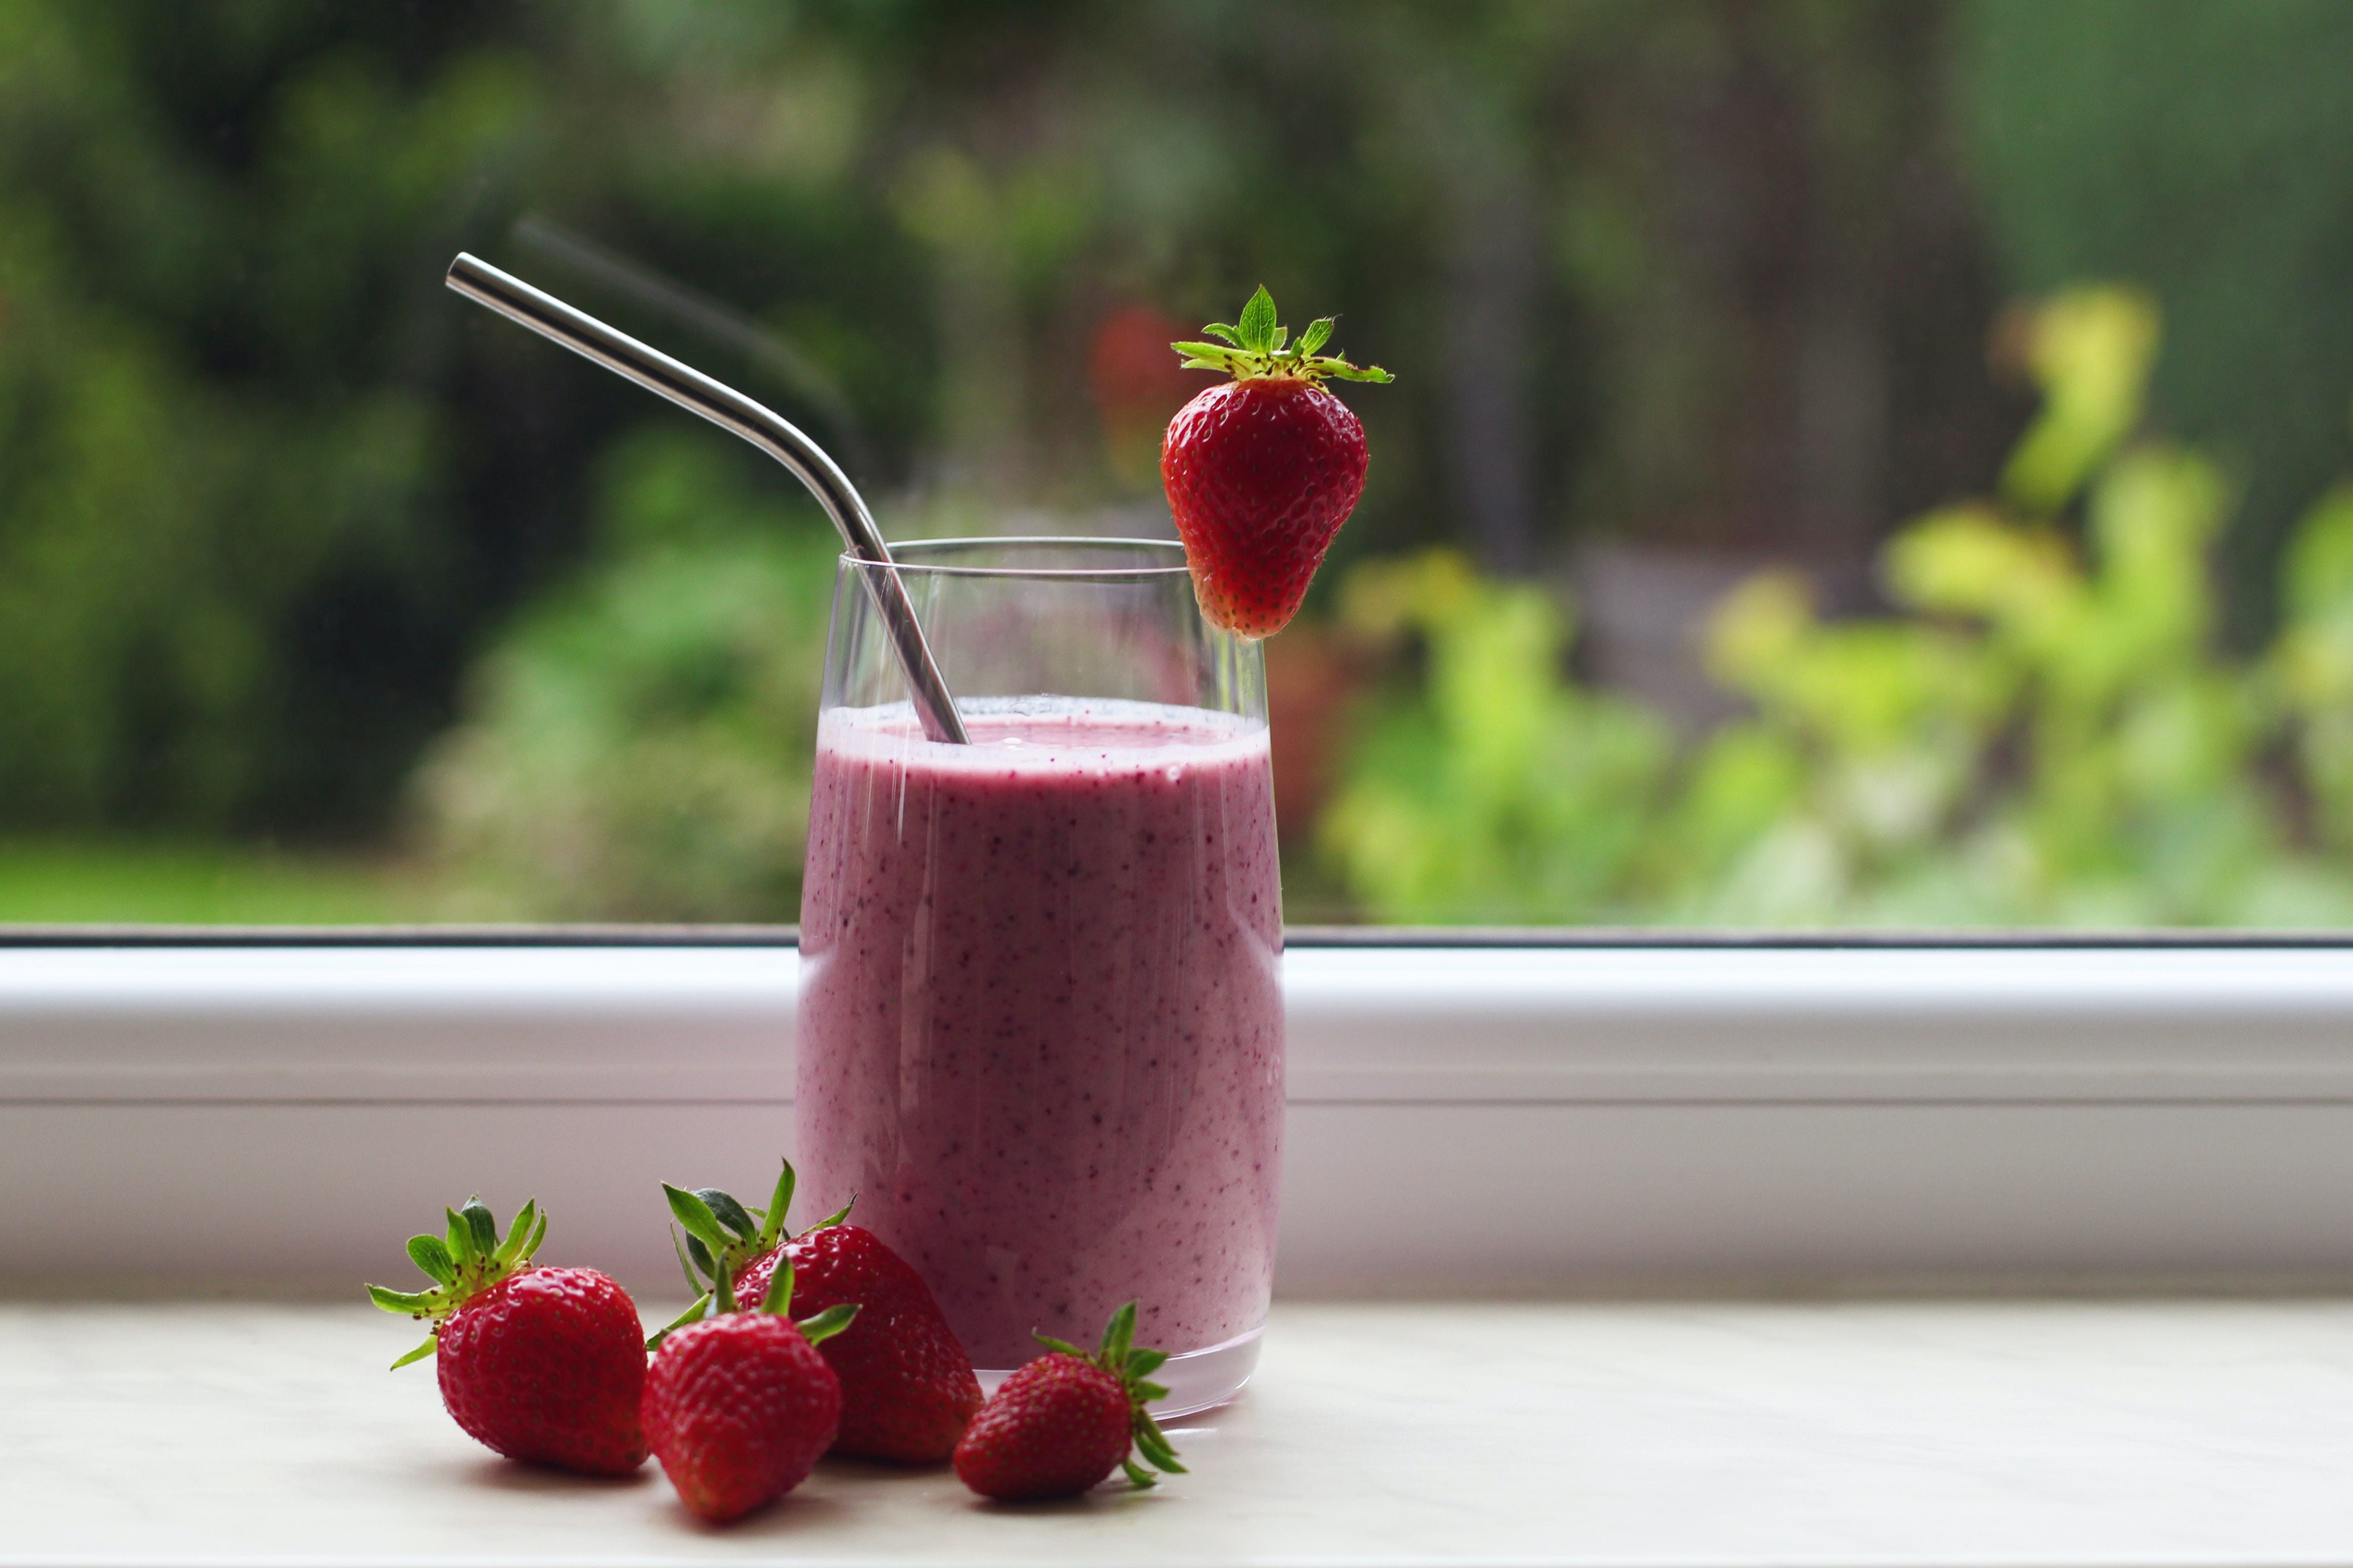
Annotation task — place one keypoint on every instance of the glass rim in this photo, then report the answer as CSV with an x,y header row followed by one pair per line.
x,y
1171,549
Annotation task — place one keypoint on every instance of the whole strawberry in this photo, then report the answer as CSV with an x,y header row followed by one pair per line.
x,y
907,1386
544,1365
1065,1421
1261,471
739,1406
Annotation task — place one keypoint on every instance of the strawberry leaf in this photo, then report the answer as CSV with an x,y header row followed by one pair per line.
x,y
431,1344
1137,1476
461,1240
1318,334
431,1254
701,1309
1257,325
1346,371
1144,1363
483,1224
703,1258
779,1298
772,1223
824,1325
695,1216
407,1303
1118,1335
519,1240
1220,330
729,1213
685,1264
1059,1347
836,1216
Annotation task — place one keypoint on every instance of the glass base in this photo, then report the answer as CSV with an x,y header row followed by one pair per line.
x,y
1195,1381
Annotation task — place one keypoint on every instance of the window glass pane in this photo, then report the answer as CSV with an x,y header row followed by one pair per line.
x,y
1848,464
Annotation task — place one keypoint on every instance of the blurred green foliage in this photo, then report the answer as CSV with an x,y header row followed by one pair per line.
x,y
295,549
638,746
2202,148
2050,736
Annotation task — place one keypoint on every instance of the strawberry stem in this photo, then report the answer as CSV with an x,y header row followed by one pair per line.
x,y
1118,1356
466,1260
1253,347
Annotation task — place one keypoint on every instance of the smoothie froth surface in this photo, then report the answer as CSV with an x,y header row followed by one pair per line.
x,y
1041,1027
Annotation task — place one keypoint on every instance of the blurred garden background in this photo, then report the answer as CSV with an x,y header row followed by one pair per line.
x,y
1852,463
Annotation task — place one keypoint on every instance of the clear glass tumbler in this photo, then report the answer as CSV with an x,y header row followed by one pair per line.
x,y
1041,1027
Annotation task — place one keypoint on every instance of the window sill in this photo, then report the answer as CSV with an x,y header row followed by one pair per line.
x,y
1464,1119
1741,1435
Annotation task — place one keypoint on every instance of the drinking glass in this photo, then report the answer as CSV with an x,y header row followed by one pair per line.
x,y
1040,1025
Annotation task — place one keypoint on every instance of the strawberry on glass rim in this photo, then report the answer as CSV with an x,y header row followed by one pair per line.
x,y
1261,471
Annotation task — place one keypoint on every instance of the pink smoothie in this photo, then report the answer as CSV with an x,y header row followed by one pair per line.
x,y
1040,1020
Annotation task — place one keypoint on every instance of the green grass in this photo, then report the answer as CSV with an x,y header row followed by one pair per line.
x,y
117,882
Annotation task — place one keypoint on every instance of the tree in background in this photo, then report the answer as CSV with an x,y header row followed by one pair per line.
x,y
2206,151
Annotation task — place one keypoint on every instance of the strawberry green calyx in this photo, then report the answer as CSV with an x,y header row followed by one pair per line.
x,y
467,1261
1119,1356
720,1236
1254,347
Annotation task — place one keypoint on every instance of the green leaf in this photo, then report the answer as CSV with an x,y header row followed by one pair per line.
x,y
779,1298
836,1216
703,1258
1217,329
701,1307
1347,372
696,1216
1143,1362
461,1240
1216,351
685,1265
420,1353
407,1303
1282,336
772,1223
519,1237
1118,1335
1159,1454
1153,1444
1137,1476
538,1235
823,1326
431,1254
1059,1347
729,1213
1318,333
1258,321
484,1225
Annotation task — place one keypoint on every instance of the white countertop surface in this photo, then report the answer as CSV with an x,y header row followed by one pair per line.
x,y
1883,1433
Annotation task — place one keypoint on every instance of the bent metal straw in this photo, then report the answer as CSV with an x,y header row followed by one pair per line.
x,y
584,334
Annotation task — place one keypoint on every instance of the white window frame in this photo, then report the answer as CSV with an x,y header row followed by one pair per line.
x,y
1468,1114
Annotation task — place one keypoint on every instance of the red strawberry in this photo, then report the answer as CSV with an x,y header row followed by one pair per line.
x,y
740,1407
907,1386
541,1364
1261,471
1065,1421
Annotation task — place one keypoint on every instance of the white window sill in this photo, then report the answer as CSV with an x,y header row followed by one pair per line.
x,y
1741,1435
1463,1120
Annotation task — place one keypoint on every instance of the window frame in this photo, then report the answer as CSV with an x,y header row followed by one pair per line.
x,y
1470,1110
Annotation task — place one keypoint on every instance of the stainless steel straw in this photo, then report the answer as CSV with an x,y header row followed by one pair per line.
x,y
690,389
